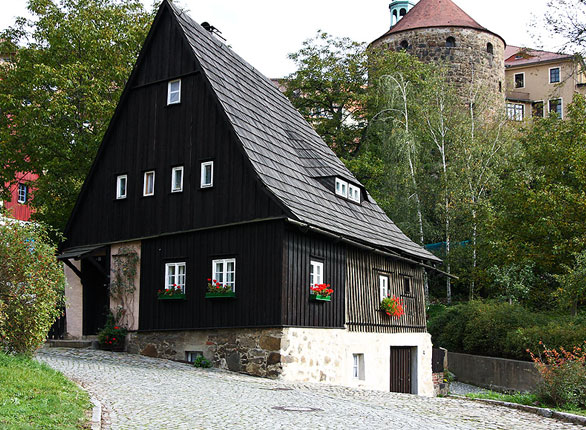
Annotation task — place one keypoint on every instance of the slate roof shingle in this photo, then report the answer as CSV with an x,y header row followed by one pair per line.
x,y
285,151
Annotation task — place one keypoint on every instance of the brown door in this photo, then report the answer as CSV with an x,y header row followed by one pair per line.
x,y
401,369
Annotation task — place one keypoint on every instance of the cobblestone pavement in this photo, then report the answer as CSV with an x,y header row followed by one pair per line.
x,y
145,393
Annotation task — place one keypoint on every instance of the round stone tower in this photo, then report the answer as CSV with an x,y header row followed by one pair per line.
x,y
438,31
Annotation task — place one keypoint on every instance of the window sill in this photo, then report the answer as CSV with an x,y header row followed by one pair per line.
x,y
230,295
173,297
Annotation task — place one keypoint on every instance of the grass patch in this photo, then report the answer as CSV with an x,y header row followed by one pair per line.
x,y
522,399
34,396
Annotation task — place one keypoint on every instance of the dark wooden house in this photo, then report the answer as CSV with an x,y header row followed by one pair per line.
x,y
207,172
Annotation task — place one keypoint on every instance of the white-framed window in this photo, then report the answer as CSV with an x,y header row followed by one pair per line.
x,y
538,110
121,186
383,285
22,193
515,111
555,106
358,366
316,273
341,187
207,174
174,92
177,179
520,80
175,274
354,193
224,272
554,75
148,188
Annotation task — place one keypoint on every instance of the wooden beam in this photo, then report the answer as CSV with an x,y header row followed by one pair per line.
x,y
72,267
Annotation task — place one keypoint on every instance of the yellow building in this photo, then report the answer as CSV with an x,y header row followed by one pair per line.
x,y
540,82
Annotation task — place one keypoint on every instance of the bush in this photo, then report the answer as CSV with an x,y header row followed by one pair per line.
x,y
112,336
201,361
31,287
564,376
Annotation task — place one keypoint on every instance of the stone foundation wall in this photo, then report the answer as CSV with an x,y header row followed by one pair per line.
x,y
440,387
252,351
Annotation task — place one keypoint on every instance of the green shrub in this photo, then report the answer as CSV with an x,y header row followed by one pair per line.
x,y
201,361
31,287
112,336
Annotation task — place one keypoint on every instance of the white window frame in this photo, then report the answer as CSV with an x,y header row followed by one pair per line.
x,y
383,286
515,80
354,193
316,273
174,170
559,75
515,111
221,279
119,180
561,107
170,92
176,276
204,165
22,199
144,185
358,366
341,187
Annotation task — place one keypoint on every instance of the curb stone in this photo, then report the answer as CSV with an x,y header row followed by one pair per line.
x,y
96,422
544,412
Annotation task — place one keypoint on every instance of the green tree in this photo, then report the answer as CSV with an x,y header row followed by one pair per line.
x,y
31,287
60,89
329,87
572,284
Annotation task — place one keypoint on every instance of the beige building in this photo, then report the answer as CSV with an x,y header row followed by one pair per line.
x,y
540,82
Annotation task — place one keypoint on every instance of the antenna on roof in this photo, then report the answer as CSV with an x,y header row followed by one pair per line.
x,y
212,29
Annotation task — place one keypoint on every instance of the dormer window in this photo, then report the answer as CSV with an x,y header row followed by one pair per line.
x,y
354,193
149,183
341,187
347,190
174,92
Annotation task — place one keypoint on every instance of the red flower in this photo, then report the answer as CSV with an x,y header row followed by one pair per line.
x,y
209,279
116,328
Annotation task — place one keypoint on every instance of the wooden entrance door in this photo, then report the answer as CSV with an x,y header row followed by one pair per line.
x,y
401,369
96,298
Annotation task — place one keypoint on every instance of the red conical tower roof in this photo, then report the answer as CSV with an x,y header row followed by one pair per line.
x,y
435,13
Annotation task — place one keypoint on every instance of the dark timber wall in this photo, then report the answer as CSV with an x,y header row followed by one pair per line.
x,y
257,249
363,300
146,134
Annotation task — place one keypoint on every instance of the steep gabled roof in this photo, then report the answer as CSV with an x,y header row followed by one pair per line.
x,y
286,153
436,13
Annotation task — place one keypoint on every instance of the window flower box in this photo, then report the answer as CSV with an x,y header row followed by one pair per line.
x,y
173,297
321,293
217,290
173,293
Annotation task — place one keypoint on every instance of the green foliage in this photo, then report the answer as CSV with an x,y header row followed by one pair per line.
x,y
58,93
328,88
31,287
34,396
112,335
512,281
122,283
572,284
201,361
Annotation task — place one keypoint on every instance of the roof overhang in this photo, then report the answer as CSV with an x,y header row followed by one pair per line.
x,y
78,252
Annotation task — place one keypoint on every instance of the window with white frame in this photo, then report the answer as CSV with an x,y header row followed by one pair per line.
x,y
121,184
515,111
520,80
316,273
22,193
224,272
174,92
555,106
358,366
207,174
341,187
148,188
383,285
175,276
354,193
177,179
554,75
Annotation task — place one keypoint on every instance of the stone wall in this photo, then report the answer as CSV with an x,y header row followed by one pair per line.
x,y
467,62
73,303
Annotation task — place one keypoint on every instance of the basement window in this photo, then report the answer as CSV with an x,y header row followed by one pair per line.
x,y
177,179
207,174
175,276
358,366
224,272
174,92
121,185
190,356
149,183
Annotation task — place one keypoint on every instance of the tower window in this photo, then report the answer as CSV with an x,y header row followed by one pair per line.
x,y
450,42
404,45
489,48
402,12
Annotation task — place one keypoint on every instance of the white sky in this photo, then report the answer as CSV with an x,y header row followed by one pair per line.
x,y
263,32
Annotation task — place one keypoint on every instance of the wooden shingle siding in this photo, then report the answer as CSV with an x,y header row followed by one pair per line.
x,y
257,249
298,249
363,294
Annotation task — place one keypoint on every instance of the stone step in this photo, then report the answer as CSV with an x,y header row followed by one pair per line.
x,y
70,343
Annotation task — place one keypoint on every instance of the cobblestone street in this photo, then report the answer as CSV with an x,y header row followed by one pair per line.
x,y
138,392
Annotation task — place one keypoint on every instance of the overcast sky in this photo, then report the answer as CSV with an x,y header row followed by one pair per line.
x,y
263,32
